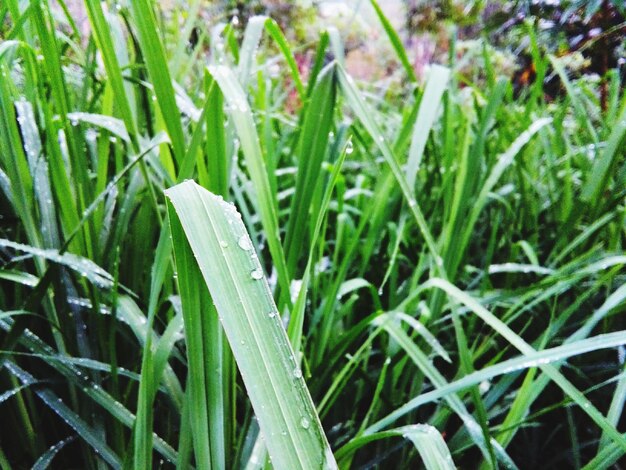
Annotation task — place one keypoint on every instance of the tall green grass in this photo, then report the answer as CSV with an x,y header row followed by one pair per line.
x,y
426,274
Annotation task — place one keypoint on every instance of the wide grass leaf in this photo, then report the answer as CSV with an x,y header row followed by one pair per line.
x,y
210,230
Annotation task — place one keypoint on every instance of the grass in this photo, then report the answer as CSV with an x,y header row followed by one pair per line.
x,y
414,275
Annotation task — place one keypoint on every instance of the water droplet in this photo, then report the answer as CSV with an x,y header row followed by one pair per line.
x,y
297,373
244,243
257,274
305,423
224,244
349,148
272,314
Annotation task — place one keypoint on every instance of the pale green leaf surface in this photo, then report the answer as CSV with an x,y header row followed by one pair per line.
x,y
234,277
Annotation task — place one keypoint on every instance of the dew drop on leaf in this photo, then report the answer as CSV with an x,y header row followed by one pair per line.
x,y
244,243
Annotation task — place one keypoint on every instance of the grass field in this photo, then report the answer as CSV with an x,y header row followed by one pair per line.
x,y
208,260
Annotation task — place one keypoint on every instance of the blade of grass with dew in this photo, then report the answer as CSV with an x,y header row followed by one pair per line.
x,y
154,55
241,115
46,458
103,35
83,266
438,380
40,172
599,177
436,85
310,155
220,245
14,160
113,125
570,390
364,114
430,445
617,405
249,46
52,400
426,439
546,356
202,335
96,393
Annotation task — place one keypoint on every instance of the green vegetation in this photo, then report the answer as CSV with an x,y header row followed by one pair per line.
x,y
425,275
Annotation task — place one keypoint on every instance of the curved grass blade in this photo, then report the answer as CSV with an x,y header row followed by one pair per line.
x,y
311,151
427,440
559,379
154,56
436,85
241,116
52,400
96,393
84,266
45,460
396,42
430,445
113,125
364,114
546,356
210,230
249,46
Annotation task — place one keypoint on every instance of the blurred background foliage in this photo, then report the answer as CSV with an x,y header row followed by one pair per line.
x,y
587,34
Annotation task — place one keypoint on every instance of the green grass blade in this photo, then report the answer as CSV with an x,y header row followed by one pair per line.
x,y
200,320
365,115
249,47
568,388
600,174
396,42
277,35
154,56
546,356
241,116
221,247
429,106
430,445
45,460
52,400
103,34
311,151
